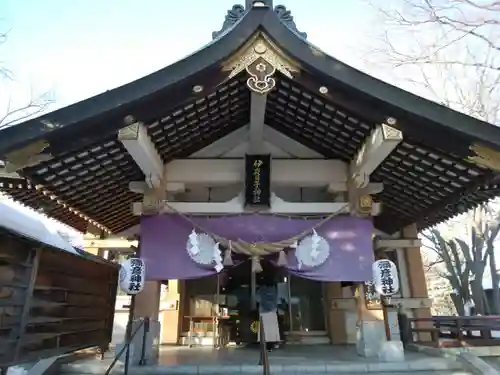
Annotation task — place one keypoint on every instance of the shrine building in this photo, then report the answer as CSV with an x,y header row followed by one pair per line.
x,y
298,167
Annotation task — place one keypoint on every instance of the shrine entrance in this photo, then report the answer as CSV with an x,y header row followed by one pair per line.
x,y
300,305
259,145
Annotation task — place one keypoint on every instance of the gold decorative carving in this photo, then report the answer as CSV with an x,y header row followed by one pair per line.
x,y
485,157
261,80
261,58
27,156
391,133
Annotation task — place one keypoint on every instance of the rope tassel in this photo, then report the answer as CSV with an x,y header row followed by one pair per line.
x,y
256,266
282,262
228,260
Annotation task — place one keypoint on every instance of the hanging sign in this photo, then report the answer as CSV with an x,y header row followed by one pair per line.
x,y
372,298
258,180
132,275
385,277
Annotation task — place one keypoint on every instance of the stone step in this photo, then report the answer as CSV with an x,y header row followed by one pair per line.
x,y
421,366
410,372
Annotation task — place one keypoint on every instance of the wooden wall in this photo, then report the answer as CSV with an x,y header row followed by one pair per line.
x,y
52,301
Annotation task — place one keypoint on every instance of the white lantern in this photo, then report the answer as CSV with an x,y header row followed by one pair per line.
x,y
132,275
385,277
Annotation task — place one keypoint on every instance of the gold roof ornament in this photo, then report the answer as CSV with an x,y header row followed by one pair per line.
x,y
484,157
261,58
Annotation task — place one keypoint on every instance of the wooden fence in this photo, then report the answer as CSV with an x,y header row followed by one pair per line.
x,y
451,331
52,301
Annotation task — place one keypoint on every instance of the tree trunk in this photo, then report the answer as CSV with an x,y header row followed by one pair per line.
x,y
478,294
494,285
458,303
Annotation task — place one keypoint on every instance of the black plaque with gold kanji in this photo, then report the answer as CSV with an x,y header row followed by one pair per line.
x,y
258,180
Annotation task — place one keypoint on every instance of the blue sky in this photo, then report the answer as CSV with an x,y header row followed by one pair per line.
x,y
80,48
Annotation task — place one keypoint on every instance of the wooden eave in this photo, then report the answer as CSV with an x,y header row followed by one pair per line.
x,y
427,179
27,194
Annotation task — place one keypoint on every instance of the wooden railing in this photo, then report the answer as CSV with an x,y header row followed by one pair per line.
x,y
451,331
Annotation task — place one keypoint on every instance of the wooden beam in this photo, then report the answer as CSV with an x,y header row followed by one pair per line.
x,y
381,142
136,141
5,174
372,188
284,172
396,243
109,243
140,187
236,206
256,129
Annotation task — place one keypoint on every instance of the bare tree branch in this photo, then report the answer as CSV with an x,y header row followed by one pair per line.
x,y
445,50
37,104
4,72
33,107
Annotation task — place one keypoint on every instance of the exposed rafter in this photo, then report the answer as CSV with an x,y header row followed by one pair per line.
x,y
136,141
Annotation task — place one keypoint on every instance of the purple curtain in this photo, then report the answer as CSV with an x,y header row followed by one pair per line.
x,y
164,239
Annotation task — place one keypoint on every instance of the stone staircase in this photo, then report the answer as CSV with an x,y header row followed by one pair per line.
x,y
421,366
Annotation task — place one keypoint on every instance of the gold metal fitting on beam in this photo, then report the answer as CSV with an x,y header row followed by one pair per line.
x,y
365,205
484,157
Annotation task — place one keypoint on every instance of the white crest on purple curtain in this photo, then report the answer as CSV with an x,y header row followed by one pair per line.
x,y
193,243
312,251
217,258
200,247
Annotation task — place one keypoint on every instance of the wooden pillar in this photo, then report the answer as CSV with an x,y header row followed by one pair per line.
x,y
171,315
416,278
371,333
147,302
336,320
